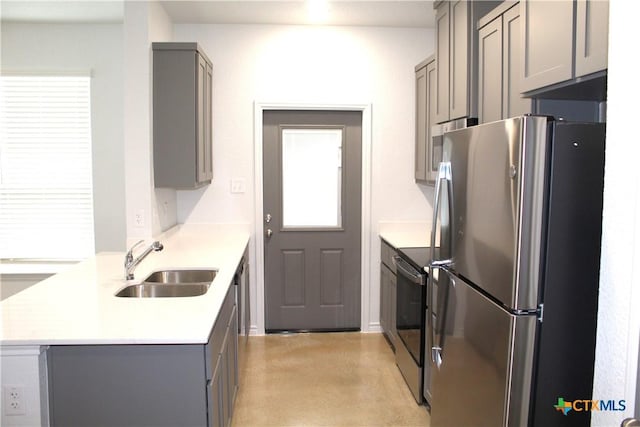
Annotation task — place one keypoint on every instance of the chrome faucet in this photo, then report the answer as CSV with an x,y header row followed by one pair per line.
x,y
130,263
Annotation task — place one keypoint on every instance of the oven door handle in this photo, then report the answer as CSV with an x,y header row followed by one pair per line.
x,y
407,271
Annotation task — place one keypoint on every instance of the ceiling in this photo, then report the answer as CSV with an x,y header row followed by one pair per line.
x,y
396,13
61,11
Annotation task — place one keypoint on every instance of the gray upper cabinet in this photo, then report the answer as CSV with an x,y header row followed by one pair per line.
x,y
442,63
490,68
425,112
499,76
460,27
513,103
182,128
549,37
457,57
592,28
421,124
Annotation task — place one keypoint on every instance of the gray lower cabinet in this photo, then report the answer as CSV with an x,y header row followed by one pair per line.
x,y
182,116
555,49
147,385
388,293
499,74
243,306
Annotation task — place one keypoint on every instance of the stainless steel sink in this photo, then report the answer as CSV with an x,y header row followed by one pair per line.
x,y
171,283
160,290
181,276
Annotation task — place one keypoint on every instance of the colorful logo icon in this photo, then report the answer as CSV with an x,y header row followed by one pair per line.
x,y
563,406
585,405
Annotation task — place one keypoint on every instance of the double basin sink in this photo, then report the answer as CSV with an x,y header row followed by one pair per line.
x,y
171,283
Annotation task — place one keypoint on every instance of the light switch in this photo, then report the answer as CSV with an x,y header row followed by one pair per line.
x,y
238,185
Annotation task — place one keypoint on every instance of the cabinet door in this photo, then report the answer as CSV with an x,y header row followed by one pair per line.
x,y
442,63
215,390
432,170
459,59
547,43
232,361
513,103
490,69
592,30
208,157
393,330
384,301
421,125
201,115
225,401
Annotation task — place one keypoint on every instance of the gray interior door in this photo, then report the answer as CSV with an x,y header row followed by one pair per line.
x,y
312,206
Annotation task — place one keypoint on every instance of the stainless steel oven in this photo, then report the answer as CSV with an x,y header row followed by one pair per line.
x,y
410,315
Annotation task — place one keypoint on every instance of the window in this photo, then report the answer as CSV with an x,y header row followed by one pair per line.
x,y
46,190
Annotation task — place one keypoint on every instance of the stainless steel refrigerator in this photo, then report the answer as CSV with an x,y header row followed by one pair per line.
x,y
513,287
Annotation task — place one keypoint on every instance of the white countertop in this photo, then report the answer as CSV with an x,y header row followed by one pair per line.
x,y
406,234
78,306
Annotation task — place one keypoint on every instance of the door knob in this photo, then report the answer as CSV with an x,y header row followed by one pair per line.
x,y
269,232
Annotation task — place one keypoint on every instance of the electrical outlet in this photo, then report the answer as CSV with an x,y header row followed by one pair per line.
x,y
139,218
13,398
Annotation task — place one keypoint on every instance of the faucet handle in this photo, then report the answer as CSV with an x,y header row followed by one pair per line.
x,y
138,243
129,257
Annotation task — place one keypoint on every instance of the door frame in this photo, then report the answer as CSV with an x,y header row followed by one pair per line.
x,y
365,239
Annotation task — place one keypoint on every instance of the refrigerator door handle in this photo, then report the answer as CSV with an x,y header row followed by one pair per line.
x,y
436,350
436,356
440,263
431,321
444,174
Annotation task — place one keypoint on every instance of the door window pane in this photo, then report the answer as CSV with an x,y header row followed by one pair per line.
x,y
312,178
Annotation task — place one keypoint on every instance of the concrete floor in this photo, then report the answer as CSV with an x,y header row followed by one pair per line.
x,y
323,379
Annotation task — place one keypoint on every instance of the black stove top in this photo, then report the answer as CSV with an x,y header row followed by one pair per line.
x,y
417,257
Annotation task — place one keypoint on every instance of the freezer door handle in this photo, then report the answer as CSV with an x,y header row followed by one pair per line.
x,y
444,174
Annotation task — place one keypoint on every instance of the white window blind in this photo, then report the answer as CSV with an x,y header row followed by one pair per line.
x,y
46,191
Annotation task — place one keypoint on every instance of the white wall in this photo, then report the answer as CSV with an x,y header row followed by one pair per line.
x,y
164,203
95,48
619,301
144,23
307,65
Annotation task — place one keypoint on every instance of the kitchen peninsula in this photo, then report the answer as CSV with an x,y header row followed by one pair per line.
x,y
95,352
